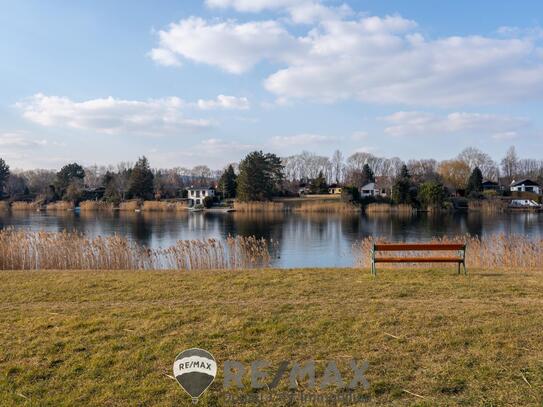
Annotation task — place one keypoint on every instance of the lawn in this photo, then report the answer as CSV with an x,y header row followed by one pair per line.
x,y
430,338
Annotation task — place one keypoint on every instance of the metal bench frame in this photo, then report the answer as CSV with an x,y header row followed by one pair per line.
x,y
402,247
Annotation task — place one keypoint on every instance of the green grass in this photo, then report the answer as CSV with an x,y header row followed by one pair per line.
x,y
110,338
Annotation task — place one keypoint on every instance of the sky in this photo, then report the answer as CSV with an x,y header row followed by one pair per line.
x,y
187,82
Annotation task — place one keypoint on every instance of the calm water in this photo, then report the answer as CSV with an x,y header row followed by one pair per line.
x,y
305,240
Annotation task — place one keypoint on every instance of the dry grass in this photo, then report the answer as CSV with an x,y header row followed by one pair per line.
x,y
495,252
488,205
96,206
25,250
388,208
164,206
130,205
258,206
24,206
4,205
109,339
60,206
325,207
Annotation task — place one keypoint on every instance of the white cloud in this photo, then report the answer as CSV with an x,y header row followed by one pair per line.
x,y
224,102
382,60
302,140
359,136
429,124
111,116
19,140
300,11
233,47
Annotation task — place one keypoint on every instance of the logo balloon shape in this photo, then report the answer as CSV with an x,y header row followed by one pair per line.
x,y
195,369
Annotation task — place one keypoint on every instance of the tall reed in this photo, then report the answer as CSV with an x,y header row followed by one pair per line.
x,y
24,206
26,250
488,205
130,205
164,206
388,208
60,206
325,207
258,206
494,252
95,206
4,205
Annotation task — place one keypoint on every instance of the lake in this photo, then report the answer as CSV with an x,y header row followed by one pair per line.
x,y
304,240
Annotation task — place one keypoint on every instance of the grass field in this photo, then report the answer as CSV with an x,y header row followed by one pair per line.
x,y
431,338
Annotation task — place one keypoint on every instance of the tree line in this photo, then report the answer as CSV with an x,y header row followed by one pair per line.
x,y
260,176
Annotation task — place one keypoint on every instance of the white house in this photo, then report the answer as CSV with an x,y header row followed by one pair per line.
x,y
196,195
526,185
372,189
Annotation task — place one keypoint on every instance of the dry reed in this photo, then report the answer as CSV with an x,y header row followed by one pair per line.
x,y
488,205
494,252
388,208
130,205
24,206
95,206
164,206
257,206
60,206
325,207
4,205
26,250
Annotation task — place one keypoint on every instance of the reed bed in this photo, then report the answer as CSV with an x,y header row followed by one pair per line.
x,y
257,206
96,206
60,206
4,205
164,206
388,208
24,206
326,207
27,250
132,205
488,205
495,252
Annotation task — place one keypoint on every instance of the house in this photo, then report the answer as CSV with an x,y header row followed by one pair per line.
x,y
304,191
490,186
335,190
372,189
526,185
196,195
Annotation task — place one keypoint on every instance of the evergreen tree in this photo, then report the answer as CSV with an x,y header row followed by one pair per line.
x,y
367,175
318,185
475,183
402,188
432,193
69,174
4,175
260,176
228,183
111,192
140,184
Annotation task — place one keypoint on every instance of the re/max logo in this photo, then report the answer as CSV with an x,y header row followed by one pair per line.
x,y
258,370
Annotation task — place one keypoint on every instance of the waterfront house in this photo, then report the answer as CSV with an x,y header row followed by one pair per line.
x,y
372,189
196,196
490,186
335,190
526,185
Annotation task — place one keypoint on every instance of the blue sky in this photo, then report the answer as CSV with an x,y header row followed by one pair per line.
x,y
196,82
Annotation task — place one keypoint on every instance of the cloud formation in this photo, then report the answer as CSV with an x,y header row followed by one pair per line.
x,y
372,59
115,116
430,124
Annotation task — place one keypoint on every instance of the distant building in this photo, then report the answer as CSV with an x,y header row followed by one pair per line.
x,y
526,185
335,190
196,195
304,191
490,186
372,189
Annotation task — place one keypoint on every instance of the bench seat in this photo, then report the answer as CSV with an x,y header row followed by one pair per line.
x,y
418,260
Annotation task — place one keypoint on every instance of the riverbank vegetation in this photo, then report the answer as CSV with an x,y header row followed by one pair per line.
x,y
471,181
430,337
25,250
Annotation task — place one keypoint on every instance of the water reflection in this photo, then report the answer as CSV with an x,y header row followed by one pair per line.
x,y
304,239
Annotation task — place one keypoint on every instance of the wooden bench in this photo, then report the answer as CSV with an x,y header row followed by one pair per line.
x,y
460,258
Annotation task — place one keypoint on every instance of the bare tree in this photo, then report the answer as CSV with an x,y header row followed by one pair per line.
x,y
510,164
474,157
338,166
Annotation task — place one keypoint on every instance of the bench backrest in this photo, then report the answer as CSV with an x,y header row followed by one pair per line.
x,y
391,247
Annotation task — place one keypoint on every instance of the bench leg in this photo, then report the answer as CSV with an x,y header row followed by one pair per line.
x,y
459,268
465,270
